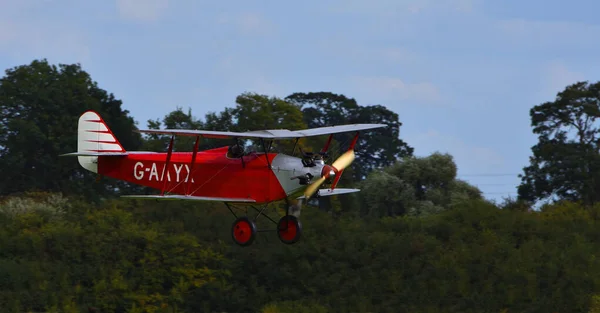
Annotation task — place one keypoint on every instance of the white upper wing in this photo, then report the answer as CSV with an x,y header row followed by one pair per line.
x,y
267,134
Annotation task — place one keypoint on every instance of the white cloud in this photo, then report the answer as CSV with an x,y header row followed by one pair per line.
x,y
247,23
555,77
548,33
466,6
38,39
357,54
395,89
251,21
245,76
27,32
261,84
469,158
11,7
141,10
380,7
399,7
395,55
8,32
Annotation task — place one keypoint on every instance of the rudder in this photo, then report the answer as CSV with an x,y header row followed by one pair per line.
x,y
94,137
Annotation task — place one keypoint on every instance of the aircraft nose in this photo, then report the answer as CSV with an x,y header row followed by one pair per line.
x,y
328,171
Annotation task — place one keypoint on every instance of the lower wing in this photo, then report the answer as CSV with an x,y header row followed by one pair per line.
x,y
192,198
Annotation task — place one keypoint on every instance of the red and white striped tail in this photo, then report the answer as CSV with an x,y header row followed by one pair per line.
x,y
94,138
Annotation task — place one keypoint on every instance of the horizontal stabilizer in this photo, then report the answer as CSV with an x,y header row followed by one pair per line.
x,y
192,198
95,154
335,192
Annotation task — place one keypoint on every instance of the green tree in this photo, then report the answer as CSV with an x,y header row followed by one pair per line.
x,y
386,195
416,186
176,119
258,112
294,306
565,163
375,148
41,104
255,112
60,255
222,121
251,112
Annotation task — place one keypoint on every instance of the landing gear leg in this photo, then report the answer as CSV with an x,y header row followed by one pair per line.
x,y
294,208
244,228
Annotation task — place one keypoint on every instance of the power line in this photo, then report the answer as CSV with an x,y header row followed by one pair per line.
x,y
486,175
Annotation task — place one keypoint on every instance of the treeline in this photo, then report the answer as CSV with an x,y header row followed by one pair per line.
x,y
415,239
61,255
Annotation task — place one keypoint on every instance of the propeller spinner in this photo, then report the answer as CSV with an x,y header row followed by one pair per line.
x,y
329,171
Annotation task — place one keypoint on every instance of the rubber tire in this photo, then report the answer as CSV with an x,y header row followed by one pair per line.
x,y
281,226
252,226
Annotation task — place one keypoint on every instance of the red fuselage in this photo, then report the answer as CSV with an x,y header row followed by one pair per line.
x,y
212,175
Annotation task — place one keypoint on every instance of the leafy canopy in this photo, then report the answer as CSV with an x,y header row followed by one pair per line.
x,y
566,160
40,105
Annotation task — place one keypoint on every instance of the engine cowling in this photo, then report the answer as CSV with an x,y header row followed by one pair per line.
x,y
328,171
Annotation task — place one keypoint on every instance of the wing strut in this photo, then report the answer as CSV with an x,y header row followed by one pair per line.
x,y
166,168
262,141
295,144
337,177
237,142
187,192
326,147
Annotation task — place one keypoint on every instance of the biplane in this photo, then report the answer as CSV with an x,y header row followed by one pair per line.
x,y
228,174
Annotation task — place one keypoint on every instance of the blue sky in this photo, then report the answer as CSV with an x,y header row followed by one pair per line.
x,y
462,74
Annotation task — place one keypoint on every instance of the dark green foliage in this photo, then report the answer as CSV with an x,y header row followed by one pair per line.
x,y
179,257
174,120
416,239
101,257
40,104
415,186
377,148
252,112
565,161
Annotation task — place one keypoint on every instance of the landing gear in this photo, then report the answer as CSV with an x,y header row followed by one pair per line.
x,y
244,229
289,229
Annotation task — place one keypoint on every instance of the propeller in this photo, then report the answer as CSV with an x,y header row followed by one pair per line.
x,y
330,170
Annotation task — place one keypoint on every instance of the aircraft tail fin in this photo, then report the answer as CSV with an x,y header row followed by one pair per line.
x,y
94,139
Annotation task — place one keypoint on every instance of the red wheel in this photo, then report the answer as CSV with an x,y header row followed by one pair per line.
x,y
289,229
243,231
